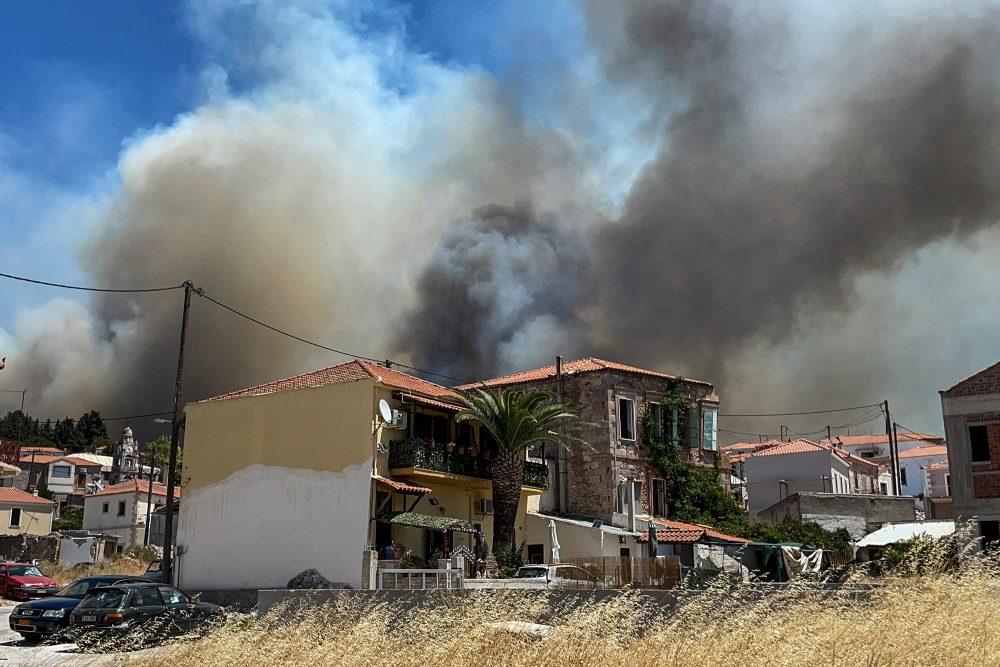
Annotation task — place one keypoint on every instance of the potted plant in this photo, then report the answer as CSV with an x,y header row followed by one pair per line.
x,y
409,560
397,549
450,447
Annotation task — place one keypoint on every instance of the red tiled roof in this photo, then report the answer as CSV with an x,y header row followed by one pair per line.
x,y
9,494
136,486
879,438
400,485
47,450
40,458
431,403
80,462
588,365
680,532
739,447
940,465
346,372
933,450
793,447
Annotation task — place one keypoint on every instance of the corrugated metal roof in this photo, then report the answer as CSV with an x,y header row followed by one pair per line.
x,y
583,523
899,532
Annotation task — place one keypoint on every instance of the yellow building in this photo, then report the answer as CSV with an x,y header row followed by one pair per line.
x,y
22,513
313,470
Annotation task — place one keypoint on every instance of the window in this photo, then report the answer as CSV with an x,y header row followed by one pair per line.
x,y
536,554
884,487
621,498
121,508
15,517
659,499
990,532
902,476
711,421
947,485
104,508
626,419
979,439
656,410
60,471
172,596
867,455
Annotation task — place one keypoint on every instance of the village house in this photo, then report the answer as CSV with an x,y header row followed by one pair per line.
x,y
912,462
876,446
937,494
121,510
315,470
971,412
609,482
64,475
778,471
22,513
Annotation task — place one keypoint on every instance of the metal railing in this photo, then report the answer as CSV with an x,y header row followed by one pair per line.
x,y
418,453
396,579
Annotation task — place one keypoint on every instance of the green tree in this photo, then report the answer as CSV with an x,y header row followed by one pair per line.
x,y
71,518
161,448
67,436
517,421
17,425
92,429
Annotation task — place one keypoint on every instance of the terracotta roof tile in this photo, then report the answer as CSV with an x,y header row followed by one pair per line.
x,y
680,532
136,486
40,458
794,447
940,465
47,450
879,438
80,462
933,450
401,485
346,372
588,365
9,494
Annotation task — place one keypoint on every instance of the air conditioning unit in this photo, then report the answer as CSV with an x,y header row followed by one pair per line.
x,y
399,419
486,506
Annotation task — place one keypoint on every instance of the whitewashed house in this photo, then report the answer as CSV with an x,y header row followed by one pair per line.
x,y
121,510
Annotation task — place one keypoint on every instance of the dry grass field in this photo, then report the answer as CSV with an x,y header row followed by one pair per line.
x,y
928,619
64,575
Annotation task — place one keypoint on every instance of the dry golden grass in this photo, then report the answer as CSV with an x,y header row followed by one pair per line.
x,y
920,620
64,575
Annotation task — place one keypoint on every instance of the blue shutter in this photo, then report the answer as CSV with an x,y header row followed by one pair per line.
x,y
711,429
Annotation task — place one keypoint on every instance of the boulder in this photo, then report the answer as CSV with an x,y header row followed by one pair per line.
x,y
311,578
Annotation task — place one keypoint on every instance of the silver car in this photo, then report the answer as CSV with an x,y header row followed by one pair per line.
x,y
569,577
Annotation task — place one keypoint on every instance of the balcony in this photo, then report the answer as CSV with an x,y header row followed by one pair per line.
x,y
417,453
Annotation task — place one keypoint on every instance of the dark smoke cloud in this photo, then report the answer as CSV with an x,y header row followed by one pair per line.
x,y
501,289
730,232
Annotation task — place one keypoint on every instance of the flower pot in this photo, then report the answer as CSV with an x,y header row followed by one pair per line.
x,y
397,553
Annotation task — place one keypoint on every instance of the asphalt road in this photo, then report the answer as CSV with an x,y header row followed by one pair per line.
x,y
16,652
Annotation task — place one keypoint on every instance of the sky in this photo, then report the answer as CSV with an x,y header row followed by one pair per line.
x,y
548,157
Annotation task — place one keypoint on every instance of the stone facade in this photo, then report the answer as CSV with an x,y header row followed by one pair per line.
x,y
595,471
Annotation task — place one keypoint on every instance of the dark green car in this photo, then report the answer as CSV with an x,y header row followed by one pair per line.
x,y
134,614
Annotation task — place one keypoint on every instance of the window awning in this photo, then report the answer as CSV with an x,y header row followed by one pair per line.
x,y
430,402
430,522
400,485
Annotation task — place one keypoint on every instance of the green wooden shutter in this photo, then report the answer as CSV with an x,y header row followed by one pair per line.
x,y
693,428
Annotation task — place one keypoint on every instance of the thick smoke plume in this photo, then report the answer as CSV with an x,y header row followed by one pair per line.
x,y
786,151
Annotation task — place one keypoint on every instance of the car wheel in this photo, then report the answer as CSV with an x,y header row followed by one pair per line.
x,y
33,637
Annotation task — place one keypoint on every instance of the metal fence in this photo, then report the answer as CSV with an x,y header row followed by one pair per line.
x,y
397,579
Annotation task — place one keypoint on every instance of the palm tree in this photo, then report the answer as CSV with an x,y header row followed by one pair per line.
x,y
517,420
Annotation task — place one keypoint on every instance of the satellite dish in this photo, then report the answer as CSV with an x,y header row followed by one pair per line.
x,y
385,411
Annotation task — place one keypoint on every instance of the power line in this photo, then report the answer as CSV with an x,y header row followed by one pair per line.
x,y
345,353
807,433
811,412
105,419
90,289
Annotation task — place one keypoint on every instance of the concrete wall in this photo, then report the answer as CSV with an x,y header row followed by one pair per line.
x,y
802,472
574,541
850,511
975,488
277,484
35,519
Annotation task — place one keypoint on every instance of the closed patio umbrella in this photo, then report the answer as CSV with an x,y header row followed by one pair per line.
x,y
653,544
555,541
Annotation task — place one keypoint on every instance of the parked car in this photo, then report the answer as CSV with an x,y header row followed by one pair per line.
x,y
50,615
154,571
24,581
570,577
134,614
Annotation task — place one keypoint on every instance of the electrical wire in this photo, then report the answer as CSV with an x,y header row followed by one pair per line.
x,y
90,289
387,362
811,412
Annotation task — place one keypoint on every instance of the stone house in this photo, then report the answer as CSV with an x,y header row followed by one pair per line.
x,y
937,497
613,472
971,412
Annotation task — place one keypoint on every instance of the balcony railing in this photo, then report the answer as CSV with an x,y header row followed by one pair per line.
x,y
417,453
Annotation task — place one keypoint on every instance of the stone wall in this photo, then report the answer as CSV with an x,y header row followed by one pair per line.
x,y
25,548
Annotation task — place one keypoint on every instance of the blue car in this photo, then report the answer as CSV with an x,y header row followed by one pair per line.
x,y
48,616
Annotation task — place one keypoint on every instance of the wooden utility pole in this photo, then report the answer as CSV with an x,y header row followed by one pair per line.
x,y
892,453
895,455
149,495
168,538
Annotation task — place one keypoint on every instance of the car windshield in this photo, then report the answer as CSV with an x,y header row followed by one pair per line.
x,y
78,589
24,571
530,572
108,598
